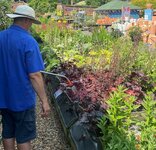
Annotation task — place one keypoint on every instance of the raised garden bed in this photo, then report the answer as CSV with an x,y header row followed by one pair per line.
x,y
92,96
76,126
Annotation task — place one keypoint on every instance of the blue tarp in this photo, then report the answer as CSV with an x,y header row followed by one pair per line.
x,y
133,14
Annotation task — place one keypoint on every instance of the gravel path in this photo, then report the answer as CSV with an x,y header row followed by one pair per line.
x,y
50,133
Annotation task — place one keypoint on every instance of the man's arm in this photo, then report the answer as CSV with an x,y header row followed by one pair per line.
x,y
38,85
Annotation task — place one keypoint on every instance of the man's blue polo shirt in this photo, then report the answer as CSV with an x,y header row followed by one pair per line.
x,y
19,56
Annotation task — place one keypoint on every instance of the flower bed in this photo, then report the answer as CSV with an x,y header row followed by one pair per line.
x,y
110,81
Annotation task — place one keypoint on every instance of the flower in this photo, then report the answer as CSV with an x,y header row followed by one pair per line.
x,y
138,138
64,21
59,21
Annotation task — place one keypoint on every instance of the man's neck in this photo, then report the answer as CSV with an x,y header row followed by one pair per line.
x,y
21,25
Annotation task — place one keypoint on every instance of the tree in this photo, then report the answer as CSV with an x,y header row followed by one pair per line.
x,y
4,9
43,6
143,3
96,2
68,2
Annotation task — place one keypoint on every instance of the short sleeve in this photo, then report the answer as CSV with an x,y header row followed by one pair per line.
x,y
33,58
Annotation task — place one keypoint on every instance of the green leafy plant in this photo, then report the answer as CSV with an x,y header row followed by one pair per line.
x,y
127,57
50,58
135,34
102,38
115,125
148,124
116,33
75,46
120,118
43,6
4,8
124,56
98,60
120,107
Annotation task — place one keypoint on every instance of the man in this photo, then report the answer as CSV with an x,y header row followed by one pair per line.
x,y
20,77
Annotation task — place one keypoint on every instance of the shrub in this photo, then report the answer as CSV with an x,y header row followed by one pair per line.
x,y
4,8
135,34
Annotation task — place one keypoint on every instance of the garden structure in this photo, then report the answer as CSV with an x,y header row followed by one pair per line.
x,y
112,11
69,10
74,13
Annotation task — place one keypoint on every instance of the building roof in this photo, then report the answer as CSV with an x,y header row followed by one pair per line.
x,y
117,5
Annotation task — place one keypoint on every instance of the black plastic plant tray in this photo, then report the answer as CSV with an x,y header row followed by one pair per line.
x,y
81,139
55,83
60,97
52,81
78,135
66,112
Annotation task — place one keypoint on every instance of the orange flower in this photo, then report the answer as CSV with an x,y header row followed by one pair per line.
x,y
138,138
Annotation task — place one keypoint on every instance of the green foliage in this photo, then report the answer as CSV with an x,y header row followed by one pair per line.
x,y
148,125
91,50
67,2
120,118
43,6
50,58
4,9
71,46
146,61
135,34
128,57
150,110
143,3
102,38
116,33
98,60
75,46
96,51
96,2
120,108
148,138
88,2
115,125
123,57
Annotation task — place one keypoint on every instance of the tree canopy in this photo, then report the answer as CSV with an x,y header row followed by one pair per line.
x,y
96,2
143,3
88,2
43,6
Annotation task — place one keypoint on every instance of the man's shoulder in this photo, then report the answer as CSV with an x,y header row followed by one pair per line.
x,y
3,31
31,39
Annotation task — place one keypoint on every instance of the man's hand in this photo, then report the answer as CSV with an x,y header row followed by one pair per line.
x,y
45,109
